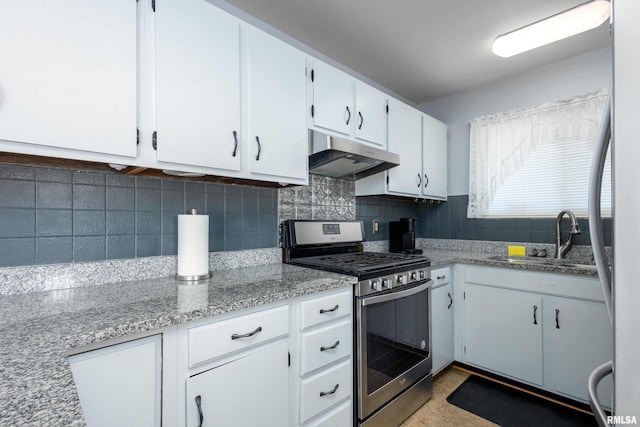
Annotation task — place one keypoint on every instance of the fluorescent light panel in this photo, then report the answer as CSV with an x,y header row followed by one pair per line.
x,y
566,24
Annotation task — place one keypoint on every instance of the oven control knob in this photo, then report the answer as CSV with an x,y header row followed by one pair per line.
x,y
414,276
376,286
386,284
402,279
422,275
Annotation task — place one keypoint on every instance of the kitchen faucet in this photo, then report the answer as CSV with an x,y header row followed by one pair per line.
x,y
562,249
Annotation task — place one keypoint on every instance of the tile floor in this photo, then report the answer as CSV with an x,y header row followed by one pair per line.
x,y
438,412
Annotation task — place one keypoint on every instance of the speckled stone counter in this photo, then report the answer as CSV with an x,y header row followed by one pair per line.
x,y
445,252
38,328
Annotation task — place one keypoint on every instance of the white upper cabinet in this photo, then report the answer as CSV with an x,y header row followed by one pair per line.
x,y
371,114
68,75
347,106
405,130
197,85
277,104
434,158
332,105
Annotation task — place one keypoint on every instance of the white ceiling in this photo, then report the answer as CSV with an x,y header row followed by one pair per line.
x,y
422,49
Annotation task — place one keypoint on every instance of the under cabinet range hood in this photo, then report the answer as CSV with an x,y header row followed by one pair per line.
x,y
339,157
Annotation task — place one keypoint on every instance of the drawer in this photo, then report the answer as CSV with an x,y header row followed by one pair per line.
x,y
324,346
219,338
325,390
338,417
323,309
441,276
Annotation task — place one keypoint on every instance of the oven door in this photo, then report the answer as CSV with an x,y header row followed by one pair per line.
x,y
394,344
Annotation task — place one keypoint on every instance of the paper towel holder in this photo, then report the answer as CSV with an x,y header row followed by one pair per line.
x,y
194,278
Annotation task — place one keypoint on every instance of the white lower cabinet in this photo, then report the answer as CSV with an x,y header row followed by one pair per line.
x,y
442,307
323,361
548,330
120,385
250,391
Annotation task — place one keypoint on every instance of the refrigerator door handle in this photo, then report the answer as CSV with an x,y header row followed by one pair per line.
x,y
595,189
594,379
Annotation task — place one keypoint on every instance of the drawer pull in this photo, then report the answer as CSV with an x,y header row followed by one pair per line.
x,y
330,348
250,334
200,415
327,393
441,277
323,311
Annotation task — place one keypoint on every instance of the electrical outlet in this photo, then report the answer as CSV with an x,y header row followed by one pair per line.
x,y
376,226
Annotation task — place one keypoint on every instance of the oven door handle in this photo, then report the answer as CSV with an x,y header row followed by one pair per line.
x,y
394,295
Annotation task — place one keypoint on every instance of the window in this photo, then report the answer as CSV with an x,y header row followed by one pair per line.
x,y
536,162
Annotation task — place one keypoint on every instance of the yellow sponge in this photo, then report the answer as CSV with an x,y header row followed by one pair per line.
x,y
516,250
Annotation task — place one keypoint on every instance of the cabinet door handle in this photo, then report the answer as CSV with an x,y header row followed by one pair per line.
x,y
450,301
557,320
200,414
331,347
535,316
327,393
426,180
419,181
323,311
349,115
235,147
259,148
361,120
250,334
444,276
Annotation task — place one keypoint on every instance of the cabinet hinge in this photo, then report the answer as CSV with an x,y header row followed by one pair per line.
x,y
137,132
312,75
312,111
289,358
154,140
153,5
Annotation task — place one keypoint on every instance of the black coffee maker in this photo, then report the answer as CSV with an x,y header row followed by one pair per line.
x,y
402,236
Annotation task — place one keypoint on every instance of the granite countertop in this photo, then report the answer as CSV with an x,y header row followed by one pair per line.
x,y
441,257
38,329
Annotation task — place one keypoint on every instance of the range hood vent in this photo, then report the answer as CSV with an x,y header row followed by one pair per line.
x,y
339,157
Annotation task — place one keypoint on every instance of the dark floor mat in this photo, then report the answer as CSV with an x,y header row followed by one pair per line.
x,y
514,408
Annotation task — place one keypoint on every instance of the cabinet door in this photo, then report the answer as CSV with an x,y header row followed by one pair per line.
x,y
332,99
68,74
582,340
434,158
442,326
405,139
277,102
371,115
503,332
251,391
197,84
120,385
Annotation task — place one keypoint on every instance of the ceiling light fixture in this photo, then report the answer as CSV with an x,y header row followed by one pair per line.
x,y
557,27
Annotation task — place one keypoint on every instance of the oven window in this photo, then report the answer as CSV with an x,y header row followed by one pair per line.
x,y
397,338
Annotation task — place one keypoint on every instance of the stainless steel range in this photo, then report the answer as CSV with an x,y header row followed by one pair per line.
x,y
392,307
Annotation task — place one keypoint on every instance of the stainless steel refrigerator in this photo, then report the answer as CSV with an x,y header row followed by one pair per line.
x,y
623,292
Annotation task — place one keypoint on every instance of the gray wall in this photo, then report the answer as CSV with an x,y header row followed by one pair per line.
x,y
574,76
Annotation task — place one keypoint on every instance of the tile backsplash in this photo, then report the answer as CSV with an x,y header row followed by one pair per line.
x,y
59,215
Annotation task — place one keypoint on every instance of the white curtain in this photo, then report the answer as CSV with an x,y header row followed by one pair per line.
x,y
502,142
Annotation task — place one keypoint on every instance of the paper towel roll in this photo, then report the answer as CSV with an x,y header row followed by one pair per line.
x,y
193,246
